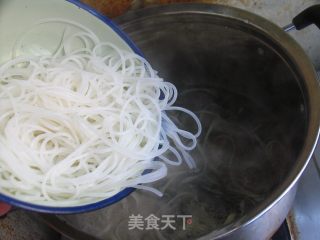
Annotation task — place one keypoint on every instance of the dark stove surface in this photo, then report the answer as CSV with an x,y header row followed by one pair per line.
x,y
283,233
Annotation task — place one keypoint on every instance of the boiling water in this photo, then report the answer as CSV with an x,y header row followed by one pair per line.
x,y
238,165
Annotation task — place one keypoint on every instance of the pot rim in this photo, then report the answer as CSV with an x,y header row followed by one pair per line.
x,y
303,68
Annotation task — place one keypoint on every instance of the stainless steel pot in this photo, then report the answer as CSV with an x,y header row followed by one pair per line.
x,y
257,95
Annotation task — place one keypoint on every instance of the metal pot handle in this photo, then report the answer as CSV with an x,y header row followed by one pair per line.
x,y
309,16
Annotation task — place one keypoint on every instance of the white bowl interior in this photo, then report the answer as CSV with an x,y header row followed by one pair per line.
x,y
17,17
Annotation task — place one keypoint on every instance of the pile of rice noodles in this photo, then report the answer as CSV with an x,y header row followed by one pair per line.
x,y
83,123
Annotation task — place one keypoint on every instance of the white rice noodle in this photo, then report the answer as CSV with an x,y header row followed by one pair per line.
x,y
82,124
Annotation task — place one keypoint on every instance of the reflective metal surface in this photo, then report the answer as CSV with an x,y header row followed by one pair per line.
x,y
215,42
256,95
304,218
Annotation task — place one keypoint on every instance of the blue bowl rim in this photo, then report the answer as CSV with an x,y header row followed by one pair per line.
x,y
100,204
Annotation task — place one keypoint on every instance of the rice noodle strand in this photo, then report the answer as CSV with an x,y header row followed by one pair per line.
x,y
84,123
